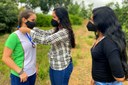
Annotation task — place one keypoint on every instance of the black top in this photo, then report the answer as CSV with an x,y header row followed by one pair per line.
x,y
106,61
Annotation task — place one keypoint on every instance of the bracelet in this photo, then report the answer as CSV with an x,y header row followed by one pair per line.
x,y
21,72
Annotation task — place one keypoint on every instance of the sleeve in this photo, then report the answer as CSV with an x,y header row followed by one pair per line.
x,y
43,32
113,55
11,41
59,36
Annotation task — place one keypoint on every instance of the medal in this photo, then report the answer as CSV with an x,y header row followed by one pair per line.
x,y
30,39
33,45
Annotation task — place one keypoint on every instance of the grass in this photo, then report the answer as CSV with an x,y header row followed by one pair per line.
x,y
42,62
81,59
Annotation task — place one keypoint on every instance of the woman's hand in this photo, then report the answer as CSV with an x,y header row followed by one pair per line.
x,y
92,82
24,29
120,79
23,77
36,70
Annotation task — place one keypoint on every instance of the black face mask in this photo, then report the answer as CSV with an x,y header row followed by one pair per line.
x,y
54,23
91,26
30,25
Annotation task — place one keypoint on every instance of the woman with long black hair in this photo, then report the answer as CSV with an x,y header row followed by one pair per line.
x,y
109,48
61,39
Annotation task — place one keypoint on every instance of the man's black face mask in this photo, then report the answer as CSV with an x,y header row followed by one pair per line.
x,y
91,27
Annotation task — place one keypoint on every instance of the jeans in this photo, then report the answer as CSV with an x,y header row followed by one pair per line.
x,y
16,80
61,77
110,83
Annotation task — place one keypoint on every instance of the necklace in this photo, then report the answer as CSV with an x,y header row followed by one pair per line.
x,y
97,41
30,39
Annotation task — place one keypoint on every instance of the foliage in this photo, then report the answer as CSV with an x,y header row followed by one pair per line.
x,y
47,5
75,20
89,10
122,13
43,20
74,9
42,61
80,10
30,4
83,12
8,15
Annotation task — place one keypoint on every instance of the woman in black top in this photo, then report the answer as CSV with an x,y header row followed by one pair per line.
x,y
109,46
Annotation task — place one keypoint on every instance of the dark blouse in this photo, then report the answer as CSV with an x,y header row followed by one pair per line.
x,y
106,61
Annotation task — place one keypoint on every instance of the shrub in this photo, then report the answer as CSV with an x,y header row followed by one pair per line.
x,y
8,16
43,20
75,20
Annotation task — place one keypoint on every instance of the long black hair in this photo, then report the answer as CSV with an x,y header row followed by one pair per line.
x,y
107,23
63,16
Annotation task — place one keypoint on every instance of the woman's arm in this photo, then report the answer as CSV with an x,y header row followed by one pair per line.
x,y
43,32
120,79
39,38
8,60
92,82
37,66
59,36
40,31
116,66
113,55
11,64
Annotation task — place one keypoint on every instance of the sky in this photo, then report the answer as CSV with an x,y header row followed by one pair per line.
x,y
98,3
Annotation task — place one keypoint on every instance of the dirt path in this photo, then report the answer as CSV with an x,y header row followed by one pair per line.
x,y
81,74
82,70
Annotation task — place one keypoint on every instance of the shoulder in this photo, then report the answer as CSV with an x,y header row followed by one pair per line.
x,y
12,37
109,42
109,45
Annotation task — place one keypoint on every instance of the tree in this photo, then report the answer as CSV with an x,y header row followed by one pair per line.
x,y
83,12
47,5
80,10
122,13
74,9
111,4
29,4
124,17
8,15
89,10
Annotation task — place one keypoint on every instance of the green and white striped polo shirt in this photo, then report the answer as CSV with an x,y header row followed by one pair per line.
x,y
24,55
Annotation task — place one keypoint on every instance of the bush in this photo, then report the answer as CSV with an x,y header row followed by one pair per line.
x,y
43,20
2,26
8,16
75,20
